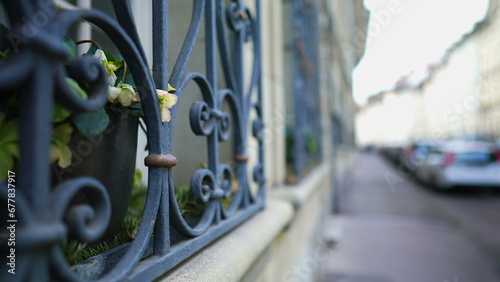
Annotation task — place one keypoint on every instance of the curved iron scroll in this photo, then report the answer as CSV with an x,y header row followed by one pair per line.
x,y
37,72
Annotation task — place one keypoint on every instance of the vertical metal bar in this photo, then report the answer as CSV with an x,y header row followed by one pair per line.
x,y
239,68
35,129
298,87
258,46
211,68
84,29
160,43
210,42
160,75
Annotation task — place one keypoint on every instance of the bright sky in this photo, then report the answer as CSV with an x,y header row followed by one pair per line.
x,y
406,35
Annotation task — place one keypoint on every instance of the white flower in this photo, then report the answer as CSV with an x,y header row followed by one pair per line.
x,y
109,66
167,102
113,93
123,93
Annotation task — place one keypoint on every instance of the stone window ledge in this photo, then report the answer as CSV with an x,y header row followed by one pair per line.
x,y
229,258
299,194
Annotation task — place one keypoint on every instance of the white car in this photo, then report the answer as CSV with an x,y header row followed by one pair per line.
x,y
461,163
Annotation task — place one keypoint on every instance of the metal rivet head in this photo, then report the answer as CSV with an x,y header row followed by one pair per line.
x,y
241,158
154,160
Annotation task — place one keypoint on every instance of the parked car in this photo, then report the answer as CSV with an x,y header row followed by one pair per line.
x,y
460,163
414,155
392,152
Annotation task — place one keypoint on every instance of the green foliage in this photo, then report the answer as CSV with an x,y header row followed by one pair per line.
x,y
289,145
123,74
92,50
187,205
137,201
9,144
60,113
71,48
135,109
77,88
226,203
4,40
109,56
137,178
311,140
59,150
76,252
93,251
311,146
91,124
73,251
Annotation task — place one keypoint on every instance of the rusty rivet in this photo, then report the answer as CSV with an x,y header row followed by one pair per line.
x,y
154,160
241,158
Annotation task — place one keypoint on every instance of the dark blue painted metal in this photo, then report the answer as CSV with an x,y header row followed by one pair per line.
x,y
306,96
38,73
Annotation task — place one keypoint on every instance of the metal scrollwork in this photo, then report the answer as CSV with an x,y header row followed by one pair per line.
x,y
85,222
37,70
201,118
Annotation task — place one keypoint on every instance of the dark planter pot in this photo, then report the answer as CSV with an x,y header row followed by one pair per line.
x,y
110,158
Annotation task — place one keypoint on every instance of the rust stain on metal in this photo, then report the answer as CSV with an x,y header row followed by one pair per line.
x,y
241,158
160,160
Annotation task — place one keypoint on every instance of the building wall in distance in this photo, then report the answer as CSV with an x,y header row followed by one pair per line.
x,y
459,98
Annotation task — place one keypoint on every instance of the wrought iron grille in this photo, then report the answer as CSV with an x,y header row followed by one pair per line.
x,y
35,71
303,136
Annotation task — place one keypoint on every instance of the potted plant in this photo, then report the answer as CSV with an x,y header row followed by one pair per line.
x,y
101,144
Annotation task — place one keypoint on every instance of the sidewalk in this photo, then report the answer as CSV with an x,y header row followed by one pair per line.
x,y
387,235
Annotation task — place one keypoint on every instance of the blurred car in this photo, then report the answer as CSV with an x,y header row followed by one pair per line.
x,y
416,153
392,152
460,163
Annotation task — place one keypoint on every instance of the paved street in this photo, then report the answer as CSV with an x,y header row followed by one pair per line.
x,y
391,229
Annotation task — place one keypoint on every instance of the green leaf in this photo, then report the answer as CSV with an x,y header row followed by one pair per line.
x,y
92,50
54,152
63,132
4,31
59,150
60,113
129,79
109,56
119,63
11,148
136,109
58,142
9,131
170,88
137,178
92,123
76,88
71,48
6,163
64,157
13,103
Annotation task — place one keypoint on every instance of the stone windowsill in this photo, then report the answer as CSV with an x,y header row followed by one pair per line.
x,y
230,257
298,194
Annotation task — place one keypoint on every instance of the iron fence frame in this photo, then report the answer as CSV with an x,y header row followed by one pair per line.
x,y
37,70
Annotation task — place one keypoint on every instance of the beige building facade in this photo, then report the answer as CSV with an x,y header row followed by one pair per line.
x,y
285,241
458,98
